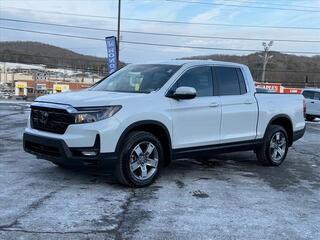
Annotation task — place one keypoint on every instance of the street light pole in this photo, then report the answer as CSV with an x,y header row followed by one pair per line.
x,y
266,57
118,34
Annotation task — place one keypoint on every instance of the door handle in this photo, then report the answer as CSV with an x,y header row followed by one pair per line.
x,y
312,102
214,104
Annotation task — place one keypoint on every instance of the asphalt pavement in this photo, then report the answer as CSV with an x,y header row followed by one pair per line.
x,y
230,196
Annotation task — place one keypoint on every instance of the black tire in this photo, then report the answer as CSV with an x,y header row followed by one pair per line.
x,y
123,171
264,152
61,165
310,118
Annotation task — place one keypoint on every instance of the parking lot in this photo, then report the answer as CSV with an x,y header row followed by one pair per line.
x,y
229,196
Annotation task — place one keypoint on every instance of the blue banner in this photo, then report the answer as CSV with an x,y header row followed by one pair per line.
x,y
112,58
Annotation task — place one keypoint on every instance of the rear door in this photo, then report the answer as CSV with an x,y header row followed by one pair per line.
x,y
196,122
239,111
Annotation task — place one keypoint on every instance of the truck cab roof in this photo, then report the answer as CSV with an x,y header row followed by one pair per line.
x,y
311,89
194,63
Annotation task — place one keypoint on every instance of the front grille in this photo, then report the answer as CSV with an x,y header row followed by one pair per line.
x,y
50,119
42,149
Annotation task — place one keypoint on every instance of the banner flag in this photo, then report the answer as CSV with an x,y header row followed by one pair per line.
x,y
112,58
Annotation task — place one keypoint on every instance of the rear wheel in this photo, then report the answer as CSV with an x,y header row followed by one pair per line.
x,y
141,159
275,145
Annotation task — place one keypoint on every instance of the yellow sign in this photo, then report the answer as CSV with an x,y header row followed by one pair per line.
x,y
60,87
21,85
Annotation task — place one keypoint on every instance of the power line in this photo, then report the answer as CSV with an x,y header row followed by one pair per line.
x,y
154,44
272,4
53,34
214,48
245,6
169,22
161,34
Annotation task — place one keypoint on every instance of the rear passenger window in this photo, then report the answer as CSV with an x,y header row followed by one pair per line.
x,y
199,78
317,96
231,81
308,94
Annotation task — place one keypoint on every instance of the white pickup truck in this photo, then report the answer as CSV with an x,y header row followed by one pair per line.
x,y
138,119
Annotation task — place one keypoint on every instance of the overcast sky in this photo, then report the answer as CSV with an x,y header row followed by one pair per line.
x,y
167,11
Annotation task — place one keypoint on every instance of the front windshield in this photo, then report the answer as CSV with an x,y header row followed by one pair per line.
x,y
140,78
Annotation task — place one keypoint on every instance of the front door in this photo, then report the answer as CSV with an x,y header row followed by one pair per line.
x,y
196,122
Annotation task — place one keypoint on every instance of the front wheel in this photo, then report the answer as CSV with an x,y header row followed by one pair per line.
x,y
140,160
275,146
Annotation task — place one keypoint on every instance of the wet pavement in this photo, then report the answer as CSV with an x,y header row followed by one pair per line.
x,y
229,196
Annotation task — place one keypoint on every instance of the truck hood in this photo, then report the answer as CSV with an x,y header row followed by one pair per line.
x,y
87,98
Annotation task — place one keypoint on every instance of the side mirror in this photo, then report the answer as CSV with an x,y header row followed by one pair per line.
x,y
184,93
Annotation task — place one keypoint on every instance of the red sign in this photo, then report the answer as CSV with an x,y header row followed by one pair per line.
x,y
276,87
292,90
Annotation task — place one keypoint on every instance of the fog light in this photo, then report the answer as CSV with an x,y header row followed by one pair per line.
x,y
89,153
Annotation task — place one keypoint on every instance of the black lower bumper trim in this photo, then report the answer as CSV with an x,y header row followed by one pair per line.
x,y
57,151
298,134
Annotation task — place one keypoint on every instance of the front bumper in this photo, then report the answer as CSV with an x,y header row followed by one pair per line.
x,y
57,151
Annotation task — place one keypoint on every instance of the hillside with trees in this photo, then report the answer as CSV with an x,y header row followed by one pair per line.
x,y
51,56
290,70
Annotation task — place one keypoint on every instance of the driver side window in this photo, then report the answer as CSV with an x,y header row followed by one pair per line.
x,y
199,78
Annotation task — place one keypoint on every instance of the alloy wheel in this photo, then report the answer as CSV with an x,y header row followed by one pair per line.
x,y
278,145
144,159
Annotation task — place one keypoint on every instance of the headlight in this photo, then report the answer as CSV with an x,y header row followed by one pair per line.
x,y
94,114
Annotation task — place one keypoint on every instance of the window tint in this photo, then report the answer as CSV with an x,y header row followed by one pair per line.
x,y
308,94
199,78
228,81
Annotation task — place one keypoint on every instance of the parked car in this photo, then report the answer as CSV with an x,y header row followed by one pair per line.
x,y
140,118
312,97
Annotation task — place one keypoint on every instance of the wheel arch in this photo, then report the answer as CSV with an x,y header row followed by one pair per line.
x,y
284,121
156,128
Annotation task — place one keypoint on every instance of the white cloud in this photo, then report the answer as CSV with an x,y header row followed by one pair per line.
x,y
197,42
207,16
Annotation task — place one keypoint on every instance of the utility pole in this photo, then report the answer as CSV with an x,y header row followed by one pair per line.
x,y
5,73
266,57
118,34
306,81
